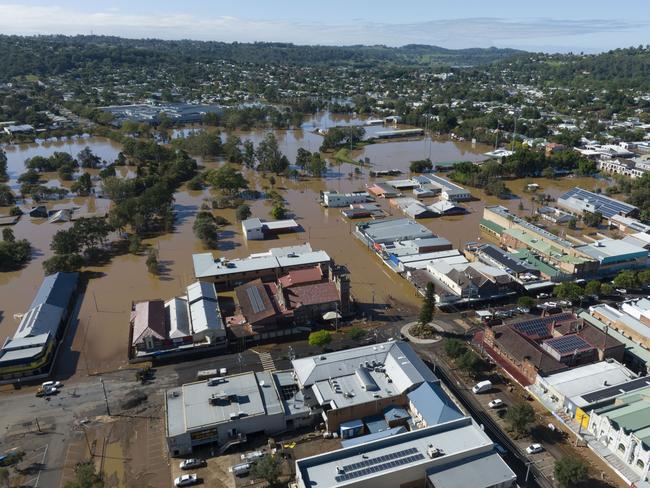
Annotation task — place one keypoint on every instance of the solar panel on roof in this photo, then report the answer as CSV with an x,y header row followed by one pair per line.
x,y
605,205
568,344
381,467
256,300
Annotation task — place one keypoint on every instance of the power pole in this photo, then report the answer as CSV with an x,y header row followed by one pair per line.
x,y
108,410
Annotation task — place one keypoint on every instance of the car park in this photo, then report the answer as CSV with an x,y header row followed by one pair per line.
x,y
192,463
496,403
186,480
534,448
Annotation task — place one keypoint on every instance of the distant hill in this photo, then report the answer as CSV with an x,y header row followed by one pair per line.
x,y
43,55
621,68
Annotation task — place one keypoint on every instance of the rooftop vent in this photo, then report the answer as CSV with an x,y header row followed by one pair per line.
x,y
434,452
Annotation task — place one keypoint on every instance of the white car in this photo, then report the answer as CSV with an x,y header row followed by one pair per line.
x,y
496,403
186,480
52,384
534,448
192,463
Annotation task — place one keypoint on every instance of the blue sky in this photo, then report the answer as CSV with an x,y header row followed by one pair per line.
x,y
549,25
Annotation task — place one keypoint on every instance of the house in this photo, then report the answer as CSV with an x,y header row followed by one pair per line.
x,y
18,129
148,322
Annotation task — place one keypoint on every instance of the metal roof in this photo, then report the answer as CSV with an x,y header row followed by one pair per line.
x,y
484,470
616,390
56,289
433,404
576,198
201,289
393,230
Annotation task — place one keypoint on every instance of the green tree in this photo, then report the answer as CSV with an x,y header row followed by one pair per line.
x,y
268,468
593,287
470,363
135,244
548,172
421,166
88,159
320,338
568,291
65,241
606,289
228,179
85,477
278,211
248,155
63,262
592,219
269,156
152,261
82,186
626,279
205,228
454,348
520,417
643,277
8,235
4,175
573,223
6,195
243,212
428,305
570,472
356,333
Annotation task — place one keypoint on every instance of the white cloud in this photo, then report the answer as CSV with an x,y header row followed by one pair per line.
x,y
453,33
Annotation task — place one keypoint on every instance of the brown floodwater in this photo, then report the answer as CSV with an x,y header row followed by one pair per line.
x,y
102,336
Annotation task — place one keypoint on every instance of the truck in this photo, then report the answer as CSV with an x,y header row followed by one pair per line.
x,y
482,387
206,373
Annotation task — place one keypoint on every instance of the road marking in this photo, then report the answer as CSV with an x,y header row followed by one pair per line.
x,y
266,359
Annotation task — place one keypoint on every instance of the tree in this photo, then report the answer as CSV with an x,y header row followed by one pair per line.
x,y
643,277
63,263
548,172
593,287
356,333
232,151
573,223
606,289
454,348
268,468
4,175
526,302
248,155
421,166
320,338
428,305
592,219
205,228
8,235
88,159
82,186
520,417
269,156
568,291
152,261
85,477
65,241
278,211
6,195
243,212
470,363
626,279
570,471
228,179
317,165
135,244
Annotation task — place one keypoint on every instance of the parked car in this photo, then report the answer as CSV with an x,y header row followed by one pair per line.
x,y
622,291
534,448
543,295
500,449
50,384
47,391
186,480
192,463
496,403
482,386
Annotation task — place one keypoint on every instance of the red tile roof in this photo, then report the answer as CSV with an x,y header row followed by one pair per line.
x,y
312,294
301,276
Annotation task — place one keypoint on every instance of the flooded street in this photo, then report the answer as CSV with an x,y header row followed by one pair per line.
x,y
101,338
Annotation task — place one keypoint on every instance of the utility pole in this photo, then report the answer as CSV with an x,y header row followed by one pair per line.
x,y
108,410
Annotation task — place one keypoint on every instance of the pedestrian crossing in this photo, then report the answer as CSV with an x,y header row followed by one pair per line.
x,y
267,361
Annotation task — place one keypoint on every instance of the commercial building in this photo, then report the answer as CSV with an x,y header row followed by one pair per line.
x,y
180,113
30,353
267,266
257,230
376,233
623,428
633,319
577,201
511,264
614,255
335,199
451,454
443,187
182,323
628,225
547,345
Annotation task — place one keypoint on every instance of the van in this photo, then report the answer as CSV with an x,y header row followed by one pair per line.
x,y
482,386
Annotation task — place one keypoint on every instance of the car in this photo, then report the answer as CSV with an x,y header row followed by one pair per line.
x,y
496,403
49,384
543,295
47,391
192,463
500,449
622,291
186,480
534,448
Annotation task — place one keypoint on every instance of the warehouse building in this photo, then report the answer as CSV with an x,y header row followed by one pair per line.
x,y
375,233
334,199
257,229
578,201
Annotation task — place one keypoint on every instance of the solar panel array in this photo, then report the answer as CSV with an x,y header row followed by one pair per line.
x,y
568,344
539,327
605,205
378,464
642,382
256,300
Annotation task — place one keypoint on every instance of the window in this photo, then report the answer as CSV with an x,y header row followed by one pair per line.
x,y
621,447
640,464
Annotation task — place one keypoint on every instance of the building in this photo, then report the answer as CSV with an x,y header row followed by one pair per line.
x,y
392,134
30,353
267,266
546,345
299,298
564,391
18,129
386,231
633,319
179,113
448,455
383,190
629,225
445,188
627,168
180,324
256,229
614,255
623,428
511,264
335,199
577,201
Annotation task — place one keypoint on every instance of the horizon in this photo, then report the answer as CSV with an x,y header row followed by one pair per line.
x,y
445,24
